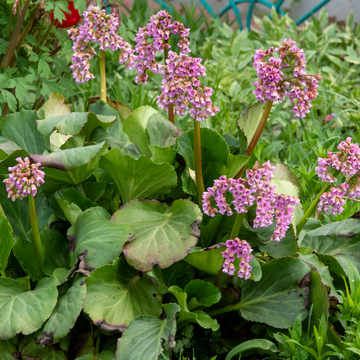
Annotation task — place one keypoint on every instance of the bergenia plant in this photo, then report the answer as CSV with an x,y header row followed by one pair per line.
x,y
23,181
181,90
98,28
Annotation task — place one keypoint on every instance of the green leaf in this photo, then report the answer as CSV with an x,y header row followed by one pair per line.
x,y
286,247
209,260
186,316
353,59
214,153
8,146
340,240
8,348
6,240
259,344
127,147
54,106
139,178
75,123
249,120
120,110
135,126
21,129
56,179
145,336
25,253
99,240
25,312
10,99
94,190
163,234
318,298
162,154
114,135
323,270
116,294
280,295
282,172
64,315
70,159
55,253
72,204
201,293
162,132
234,165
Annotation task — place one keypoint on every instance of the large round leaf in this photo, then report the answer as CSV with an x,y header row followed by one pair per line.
x,y
339,240
136,179
75,123
20,128
214,153
64,315
116,294
135,126
144,338
22,311
98,239
280,295
162,132
6,240
163,234
69,159
54,106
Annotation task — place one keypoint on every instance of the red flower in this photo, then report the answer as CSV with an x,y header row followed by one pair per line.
x,y
71,19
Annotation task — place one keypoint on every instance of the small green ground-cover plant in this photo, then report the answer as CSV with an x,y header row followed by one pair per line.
x,y
119,254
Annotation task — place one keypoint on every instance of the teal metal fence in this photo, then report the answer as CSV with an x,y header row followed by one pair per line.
x,y
232,6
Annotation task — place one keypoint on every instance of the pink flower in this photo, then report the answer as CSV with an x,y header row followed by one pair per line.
x,y
255,189
100,28
242,250
274,86
347,162
24,179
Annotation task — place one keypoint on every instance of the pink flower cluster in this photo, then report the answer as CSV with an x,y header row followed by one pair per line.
x,y
24,179
159,29
100,28
255,188
347,162
182,88
274,86
242,250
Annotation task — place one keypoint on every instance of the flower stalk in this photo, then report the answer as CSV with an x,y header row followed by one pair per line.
x,y
102,76
198,166
35,232
170,106
240,217
237,225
